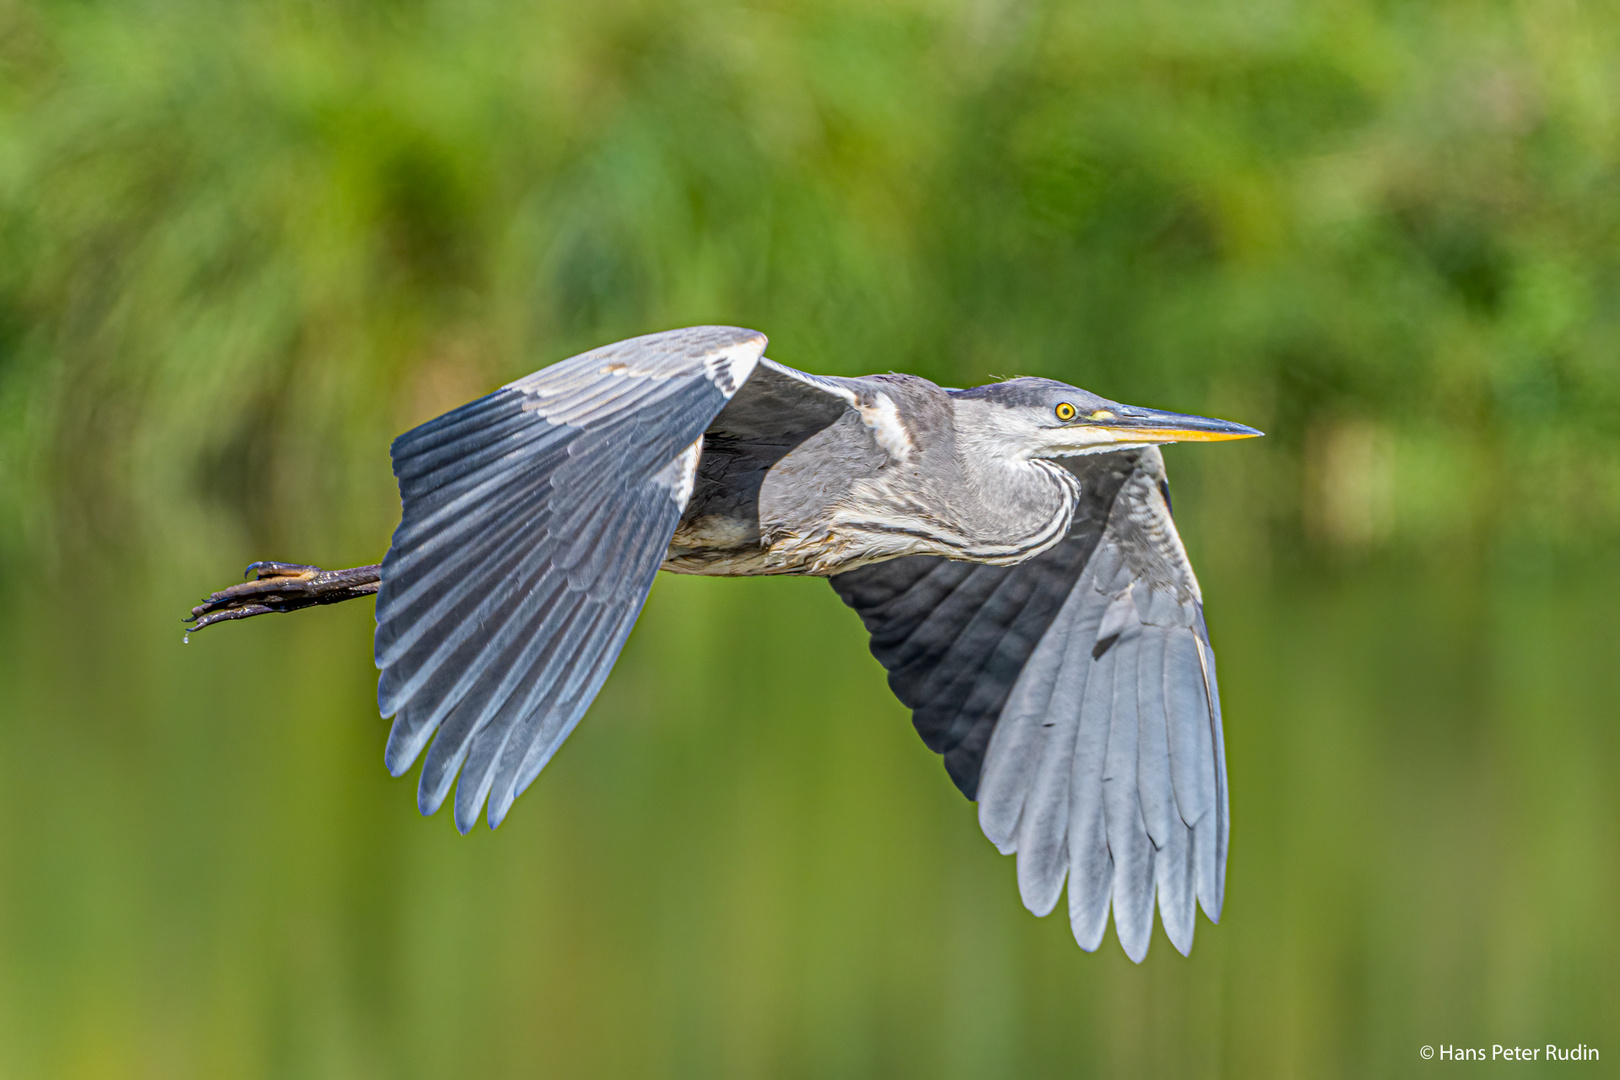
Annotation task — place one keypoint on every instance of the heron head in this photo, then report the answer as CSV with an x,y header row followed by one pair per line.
x,y
1038,418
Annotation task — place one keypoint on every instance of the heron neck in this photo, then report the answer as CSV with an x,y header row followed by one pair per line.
x,y
1014,509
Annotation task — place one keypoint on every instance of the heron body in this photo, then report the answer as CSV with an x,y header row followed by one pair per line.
x,y
886,473
1009,548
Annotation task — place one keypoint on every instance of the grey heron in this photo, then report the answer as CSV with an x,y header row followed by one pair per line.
x,y
1009,548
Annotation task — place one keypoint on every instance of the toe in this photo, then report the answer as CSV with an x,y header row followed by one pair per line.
x,y
270,569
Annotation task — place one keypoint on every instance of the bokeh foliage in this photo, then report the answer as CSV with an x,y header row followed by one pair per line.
x,y
242,245
264,237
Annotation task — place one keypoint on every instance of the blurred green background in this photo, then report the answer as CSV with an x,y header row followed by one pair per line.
x,y
243,245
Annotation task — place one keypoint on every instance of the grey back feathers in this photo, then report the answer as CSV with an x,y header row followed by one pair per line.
x,y
1039,618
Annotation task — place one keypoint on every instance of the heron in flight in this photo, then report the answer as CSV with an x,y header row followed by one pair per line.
x,y
1009,548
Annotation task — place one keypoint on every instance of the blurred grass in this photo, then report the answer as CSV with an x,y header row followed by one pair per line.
x,y
260,238
242,245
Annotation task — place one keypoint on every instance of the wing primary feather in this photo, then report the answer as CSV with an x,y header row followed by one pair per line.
x,y
432,524
542,617
513,507
461,609
1176,864
570,649
1091,864
1212,887
419,718
502,704
478,773
574,676
521,769
1020,735
467,607
431,792
978,648
1043,854
519,696
946,710
1173,874
455,733
1128,840
1192,754
539,702
1153,749
475,422
475,576
451,470
511,644
941,630
942,577
507,541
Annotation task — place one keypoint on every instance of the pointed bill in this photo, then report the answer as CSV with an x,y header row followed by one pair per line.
x,y
1129,424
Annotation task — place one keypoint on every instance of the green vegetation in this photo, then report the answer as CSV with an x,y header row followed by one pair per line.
x,y
243,244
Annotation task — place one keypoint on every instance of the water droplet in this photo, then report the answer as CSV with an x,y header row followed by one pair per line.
x,y
185,639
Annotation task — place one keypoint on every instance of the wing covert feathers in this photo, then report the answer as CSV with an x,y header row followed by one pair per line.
x,y
1098,759
534,520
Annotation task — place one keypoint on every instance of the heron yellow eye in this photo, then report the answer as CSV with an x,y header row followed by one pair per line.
x,y
1064,411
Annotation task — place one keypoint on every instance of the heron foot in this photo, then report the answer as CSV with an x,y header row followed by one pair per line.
x,y
280,586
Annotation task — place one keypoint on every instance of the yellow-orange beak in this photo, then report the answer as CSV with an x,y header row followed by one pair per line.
x,y
1129,424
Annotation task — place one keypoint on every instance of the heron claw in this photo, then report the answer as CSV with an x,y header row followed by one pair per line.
x,y
281,586
267,568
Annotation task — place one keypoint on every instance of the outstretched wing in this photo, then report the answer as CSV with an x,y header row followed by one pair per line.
x,y
534,521
1074,696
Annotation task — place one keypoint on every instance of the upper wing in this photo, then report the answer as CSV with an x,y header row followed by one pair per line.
x,y
534,521
1074,695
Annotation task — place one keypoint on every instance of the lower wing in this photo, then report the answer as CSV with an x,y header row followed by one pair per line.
x,y
1074,696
